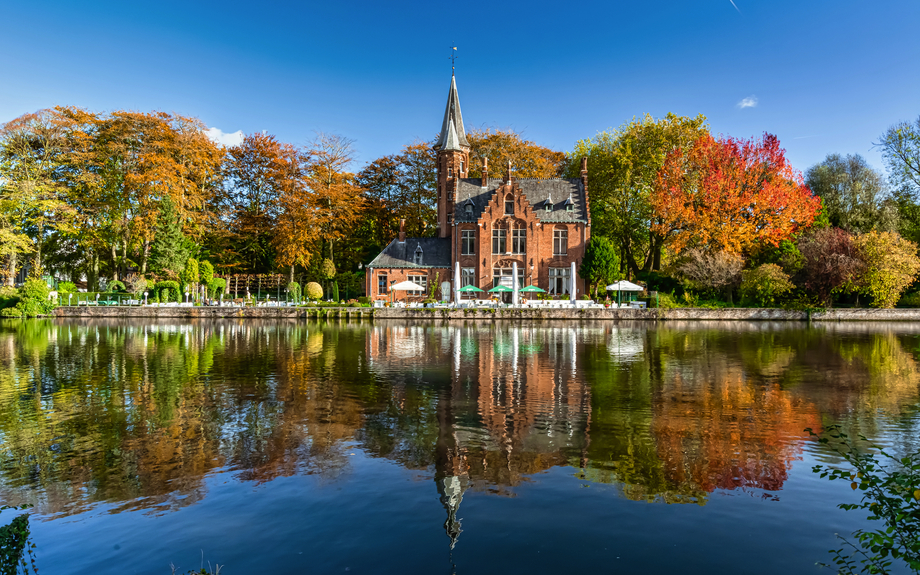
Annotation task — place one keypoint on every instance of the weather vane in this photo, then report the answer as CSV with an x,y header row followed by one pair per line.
x,y
453,58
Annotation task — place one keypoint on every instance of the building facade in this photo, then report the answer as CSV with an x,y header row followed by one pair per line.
x,y
489,225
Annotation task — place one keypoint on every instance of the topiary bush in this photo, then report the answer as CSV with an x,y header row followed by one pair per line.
x,y
66,288
117,287
313,291
293,290
206,272
33,298
168,291
216,286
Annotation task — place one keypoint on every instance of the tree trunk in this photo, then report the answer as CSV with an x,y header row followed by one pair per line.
x,y
92,278
291,275
114,262
145,252
11,277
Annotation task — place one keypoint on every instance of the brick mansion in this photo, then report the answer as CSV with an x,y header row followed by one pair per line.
x,y
488,225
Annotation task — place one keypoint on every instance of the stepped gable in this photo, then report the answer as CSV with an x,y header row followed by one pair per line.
x,y
538,191
435,254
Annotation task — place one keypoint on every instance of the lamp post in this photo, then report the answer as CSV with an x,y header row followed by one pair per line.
x,y
186,297
145,298
68,299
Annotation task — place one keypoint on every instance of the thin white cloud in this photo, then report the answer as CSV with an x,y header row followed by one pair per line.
x,y
749,102
218,136
735,5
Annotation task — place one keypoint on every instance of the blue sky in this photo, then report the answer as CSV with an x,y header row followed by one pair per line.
x,y
826,76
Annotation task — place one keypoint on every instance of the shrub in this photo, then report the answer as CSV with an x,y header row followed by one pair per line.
x,y
10,312
763,284
890,489
168,291
364,300
117,287
910,300
9,296
33,298
830,262
136,283
667,301
335,291
313,291
718,271
891,265
66,288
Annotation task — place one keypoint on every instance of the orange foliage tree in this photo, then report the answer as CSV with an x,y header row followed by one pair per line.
x,y
729,194
528,160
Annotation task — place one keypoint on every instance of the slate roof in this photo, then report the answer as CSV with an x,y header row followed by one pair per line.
x,y
453,136
538,192
435,254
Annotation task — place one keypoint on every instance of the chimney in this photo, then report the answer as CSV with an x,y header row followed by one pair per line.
x,y
402,231
485,172
584,169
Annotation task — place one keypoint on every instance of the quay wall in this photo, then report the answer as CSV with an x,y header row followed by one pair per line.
x,y
675,314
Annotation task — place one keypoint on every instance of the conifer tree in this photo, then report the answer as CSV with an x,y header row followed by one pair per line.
x,y
171,249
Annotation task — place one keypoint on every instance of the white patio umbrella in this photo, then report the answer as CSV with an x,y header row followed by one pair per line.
x,y
407,286
624,285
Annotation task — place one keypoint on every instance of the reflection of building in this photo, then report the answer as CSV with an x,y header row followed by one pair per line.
x,y
490,225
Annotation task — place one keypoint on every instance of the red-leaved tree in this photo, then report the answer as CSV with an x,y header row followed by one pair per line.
x,y
831,262
728,194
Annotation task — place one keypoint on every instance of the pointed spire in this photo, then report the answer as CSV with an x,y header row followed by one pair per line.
x,y
453,136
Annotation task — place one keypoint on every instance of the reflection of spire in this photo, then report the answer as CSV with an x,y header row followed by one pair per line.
x,y
451,489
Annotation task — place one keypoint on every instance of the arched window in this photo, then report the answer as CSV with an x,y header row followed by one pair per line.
x,y
509,205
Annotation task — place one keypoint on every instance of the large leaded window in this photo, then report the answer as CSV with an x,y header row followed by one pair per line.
x,y
502,276
420,280
382,284
468,242
499,241
559,280
519,241
468,278
560,242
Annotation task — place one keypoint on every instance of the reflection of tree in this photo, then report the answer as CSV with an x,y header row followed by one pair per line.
x,y
138,415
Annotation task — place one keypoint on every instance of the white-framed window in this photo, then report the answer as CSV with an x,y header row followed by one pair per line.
x,y
560,242
499,241
420,280
382,285
519,241
468,278
559,280
468,242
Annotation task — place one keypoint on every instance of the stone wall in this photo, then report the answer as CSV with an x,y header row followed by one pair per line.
x,y
679,314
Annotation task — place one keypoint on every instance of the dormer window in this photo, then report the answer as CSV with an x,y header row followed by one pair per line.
x,y
569,204
468,208
418,256
548,206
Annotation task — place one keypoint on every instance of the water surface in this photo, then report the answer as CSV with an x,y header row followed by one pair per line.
x,y
296,447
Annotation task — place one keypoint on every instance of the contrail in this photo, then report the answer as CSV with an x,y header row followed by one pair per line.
x,y
735,5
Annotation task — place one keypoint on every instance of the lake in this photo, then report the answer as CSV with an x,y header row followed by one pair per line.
x,y
388,447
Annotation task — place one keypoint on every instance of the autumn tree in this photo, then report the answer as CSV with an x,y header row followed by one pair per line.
x,y
623,167
891,264
528,159
32,196
258,174
854,196
830,263
337,198
729,194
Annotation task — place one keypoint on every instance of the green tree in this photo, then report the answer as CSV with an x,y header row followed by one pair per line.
x,y
763,284
900,146
891,264
206,271
854,196
171,249
623,166
600,265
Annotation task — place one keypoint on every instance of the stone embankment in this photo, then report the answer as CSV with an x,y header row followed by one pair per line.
x,y
678,314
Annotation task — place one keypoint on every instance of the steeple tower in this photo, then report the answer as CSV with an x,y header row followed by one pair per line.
x,y
453,159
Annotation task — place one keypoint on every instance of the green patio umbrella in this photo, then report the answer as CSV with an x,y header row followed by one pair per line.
x,y
534,289
469,289
501,289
